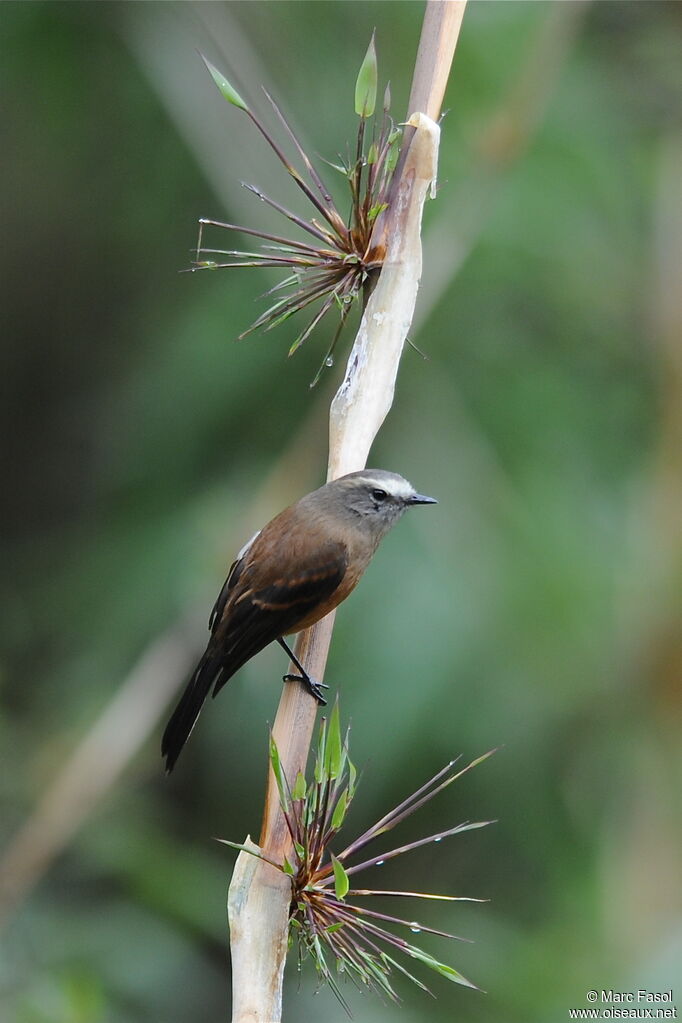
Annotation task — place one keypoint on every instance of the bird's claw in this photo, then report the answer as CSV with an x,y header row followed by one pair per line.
x,y
313,687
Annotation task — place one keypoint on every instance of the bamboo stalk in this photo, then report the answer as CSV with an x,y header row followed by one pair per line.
x,y
440,32
259,895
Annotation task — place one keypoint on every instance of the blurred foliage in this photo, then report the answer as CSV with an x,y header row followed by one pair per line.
x,y
536,607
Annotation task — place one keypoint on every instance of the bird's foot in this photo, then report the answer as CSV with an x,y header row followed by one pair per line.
x,y
313,687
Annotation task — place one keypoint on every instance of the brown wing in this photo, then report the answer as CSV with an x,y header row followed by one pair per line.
x,y
255,612
222,598
253,609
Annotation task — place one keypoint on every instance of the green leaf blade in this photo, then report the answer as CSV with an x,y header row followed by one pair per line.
x,y
299,790
366,83
445,971
226,90
320,758
276,765
340,810
334,750
341,882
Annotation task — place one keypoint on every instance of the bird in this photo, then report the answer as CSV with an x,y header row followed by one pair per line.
x,y
289,575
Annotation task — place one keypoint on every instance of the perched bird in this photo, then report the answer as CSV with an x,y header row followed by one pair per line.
x,y
289,576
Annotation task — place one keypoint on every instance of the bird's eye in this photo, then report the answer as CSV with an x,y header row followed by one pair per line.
x,y
379,495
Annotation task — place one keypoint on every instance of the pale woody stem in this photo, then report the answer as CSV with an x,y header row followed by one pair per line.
x,y
258,902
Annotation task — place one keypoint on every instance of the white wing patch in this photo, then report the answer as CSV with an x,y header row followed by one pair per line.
x,y
247,545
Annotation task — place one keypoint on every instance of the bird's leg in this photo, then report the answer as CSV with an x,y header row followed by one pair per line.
x,y
313,687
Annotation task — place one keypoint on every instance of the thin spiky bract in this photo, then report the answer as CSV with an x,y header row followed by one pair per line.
x,y
340,937
335,268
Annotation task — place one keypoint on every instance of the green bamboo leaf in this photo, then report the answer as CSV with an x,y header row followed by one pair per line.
x,y
341,882
295,345
442,968
287,868
340,810
333,760
299,790
340,167
346,759
366,84
251,850
227,91
352,779
320,758
393,153
376,210
388,961
279,774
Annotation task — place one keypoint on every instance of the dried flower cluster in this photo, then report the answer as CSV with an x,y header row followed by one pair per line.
x,y
335,265
342,938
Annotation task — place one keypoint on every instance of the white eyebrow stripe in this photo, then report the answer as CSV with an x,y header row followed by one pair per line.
x,y
396,487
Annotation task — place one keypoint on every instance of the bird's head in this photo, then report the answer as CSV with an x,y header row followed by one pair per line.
x,y
372,498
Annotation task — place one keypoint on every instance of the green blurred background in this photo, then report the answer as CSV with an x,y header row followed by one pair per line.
x,y
535,608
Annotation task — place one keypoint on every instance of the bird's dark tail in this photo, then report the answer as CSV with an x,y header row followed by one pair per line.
x,y
187,711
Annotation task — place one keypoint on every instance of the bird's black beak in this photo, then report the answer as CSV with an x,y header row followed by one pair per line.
x,y
421,499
